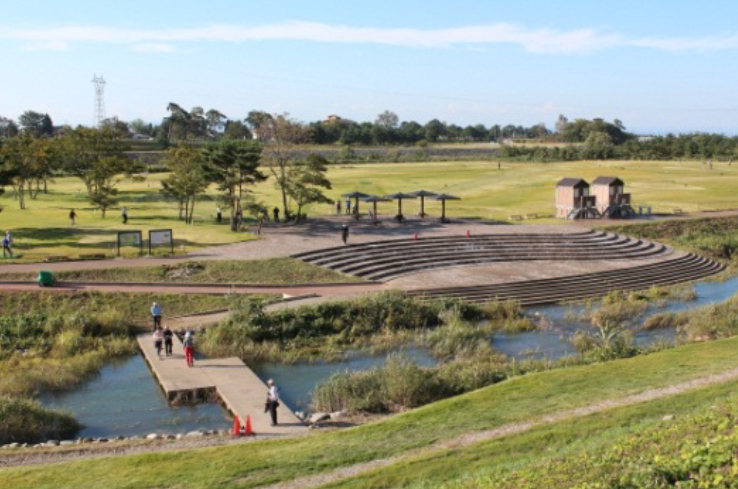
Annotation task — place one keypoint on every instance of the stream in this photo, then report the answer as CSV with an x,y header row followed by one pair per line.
x,y
125,400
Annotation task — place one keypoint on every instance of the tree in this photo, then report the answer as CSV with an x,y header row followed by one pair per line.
x,y
236,130
8,128
434,130
36,123
281,134
306,181
388,120
178,122
97,157
187,181
233,165
215,122
255,120
118,126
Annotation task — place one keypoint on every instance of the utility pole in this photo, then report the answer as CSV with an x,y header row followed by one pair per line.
x,y
99,83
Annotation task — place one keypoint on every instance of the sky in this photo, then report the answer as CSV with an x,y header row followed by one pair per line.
x,y
659,66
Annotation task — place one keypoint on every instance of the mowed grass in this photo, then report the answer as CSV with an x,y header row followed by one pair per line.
x,y
482,465
43,229
527,188
274,271
515,400
487,192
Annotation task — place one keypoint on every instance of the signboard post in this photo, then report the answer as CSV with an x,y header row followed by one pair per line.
x,y
130,238
161,237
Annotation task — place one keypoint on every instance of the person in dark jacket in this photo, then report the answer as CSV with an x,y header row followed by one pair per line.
x,y
344,234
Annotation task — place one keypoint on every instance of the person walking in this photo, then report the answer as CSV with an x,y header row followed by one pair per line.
x,y
338,207
275,212
189,348
156,315
344,234
168,337
272,401
8,244
124,215
348,206
218,215
158,340
72,216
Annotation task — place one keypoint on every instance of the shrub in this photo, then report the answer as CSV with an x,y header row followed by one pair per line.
x,y
26,421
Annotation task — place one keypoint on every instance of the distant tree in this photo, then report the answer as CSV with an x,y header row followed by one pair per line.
x,y
8,128
255,120
282,135
236,130
36,123
26,159
387,119
306,182
561,123
434,130
186,180
118,126
97,157
233,166
139,126
215,122
178,122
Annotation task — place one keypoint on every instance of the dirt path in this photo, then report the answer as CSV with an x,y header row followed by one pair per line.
x,y
468,439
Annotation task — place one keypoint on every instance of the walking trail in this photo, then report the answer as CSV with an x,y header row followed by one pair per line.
x,y
468,439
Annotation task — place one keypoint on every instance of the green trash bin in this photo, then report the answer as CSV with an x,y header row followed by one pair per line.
x,y
45,278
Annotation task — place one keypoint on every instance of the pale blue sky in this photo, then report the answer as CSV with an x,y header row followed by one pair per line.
x,y
658,66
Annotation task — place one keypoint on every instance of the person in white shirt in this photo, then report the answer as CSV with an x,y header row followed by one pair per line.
x,y
272,402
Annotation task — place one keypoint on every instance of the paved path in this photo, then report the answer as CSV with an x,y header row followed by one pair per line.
x,y
238,387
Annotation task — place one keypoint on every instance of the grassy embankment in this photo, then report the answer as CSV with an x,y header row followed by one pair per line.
x,y
518,188
52,342
274,271
716,237
519,399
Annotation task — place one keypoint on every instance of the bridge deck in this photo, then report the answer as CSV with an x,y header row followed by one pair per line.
x,y
238,387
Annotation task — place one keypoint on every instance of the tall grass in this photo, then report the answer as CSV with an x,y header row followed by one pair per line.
x,y
26,421
329,328
53,348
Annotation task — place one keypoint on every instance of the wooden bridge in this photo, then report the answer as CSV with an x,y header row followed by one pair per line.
x,y
235,384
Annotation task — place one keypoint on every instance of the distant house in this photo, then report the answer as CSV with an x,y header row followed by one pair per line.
x,y
332,119
571,194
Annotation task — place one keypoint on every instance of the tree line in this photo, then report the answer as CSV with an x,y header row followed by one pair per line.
x,y
98,157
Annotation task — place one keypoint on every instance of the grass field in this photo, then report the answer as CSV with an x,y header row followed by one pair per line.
x,y
518,188
516,400
275,271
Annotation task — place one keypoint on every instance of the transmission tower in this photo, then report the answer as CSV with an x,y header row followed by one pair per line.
x,y
99,83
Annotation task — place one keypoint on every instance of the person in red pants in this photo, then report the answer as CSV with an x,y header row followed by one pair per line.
x,y
189,347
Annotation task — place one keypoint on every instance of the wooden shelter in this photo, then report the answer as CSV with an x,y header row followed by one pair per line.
x,y
573,200
612,201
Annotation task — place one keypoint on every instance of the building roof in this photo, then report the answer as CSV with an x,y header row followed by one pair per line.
x,y
607,181
572,182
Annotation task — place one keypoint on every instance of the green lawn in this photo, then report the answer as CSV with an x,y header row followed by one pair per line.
x,y
488,464
276,271
518,188
518,399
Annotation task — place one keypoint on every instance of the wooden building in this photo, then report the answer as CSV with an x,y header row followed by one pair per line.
x,y
612,201
573,200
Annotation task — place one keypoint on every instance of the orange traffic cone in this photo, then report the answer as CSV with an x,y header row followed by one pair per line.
x,y
249,431
236,426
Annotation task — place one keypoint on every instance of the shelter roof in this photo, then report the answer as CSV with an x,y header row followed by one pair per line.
x,y
572,182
